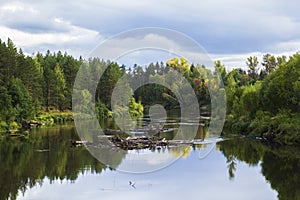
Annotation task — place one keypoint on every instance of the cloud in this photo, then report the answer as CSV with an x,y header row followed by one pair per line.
x,y
15,7
233,61
74,39
291,46
231,27
143,46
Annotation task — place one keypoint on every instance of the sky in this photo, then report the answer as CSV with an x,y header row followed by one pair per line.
x,y
188,178
228,30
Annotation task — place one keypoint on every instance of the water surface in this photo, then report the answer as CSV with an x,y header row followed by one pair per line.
x,y
45,166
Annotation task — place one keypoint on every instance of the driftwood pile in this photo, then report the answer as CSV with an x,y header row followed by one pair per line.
x,y
143,142
31,124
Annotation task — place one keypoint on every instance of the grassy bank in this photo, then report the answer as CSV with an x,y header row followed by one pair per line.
x,y
44,118
54,117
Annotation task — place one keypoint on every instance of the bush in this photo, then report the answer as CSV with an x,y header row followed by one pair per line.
x,y
136,110
283,128
45,119
261,123
3,126
102,111
14,126
240,128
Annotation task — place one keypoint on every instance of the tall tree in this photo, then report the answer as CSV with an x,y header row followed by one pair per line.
x,y
11,61
48,73
281,60
220,68
2,62
30,72
269,62
20,100
59,88
70,70
252,63
280,90
6,108
107,83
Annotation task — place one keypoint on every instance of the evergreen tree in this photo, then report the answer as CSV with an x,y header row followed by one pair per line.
x,y
59,88
107,83
21,101
6,109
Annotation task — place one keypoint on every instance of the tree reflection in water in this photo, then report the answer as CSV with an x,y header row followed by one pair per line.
x,y
46,153
280,165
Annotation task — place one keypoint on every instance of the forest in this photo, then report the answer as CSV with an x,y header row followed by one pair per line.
x,y
263,100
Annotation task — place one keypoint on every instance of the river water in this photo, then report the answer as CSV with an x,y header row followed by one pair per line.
x,y
44,165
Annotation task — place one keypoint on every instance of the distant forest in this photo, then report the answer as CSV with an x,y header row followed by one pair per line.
x,y
263,100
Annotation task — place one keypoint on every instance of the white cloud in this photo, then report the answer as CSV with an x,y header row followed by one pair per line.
x,y
291,46
139,46
14,7
222,27
233,61
73,37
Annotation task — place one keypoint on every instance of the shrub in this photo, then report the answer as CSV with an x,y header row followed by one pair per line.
x,y
3,126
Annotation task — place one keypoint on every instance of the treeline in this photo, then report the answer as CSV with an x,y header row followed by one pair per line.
x,y
32,84
196,75
265,101
96,82
261,101
147,80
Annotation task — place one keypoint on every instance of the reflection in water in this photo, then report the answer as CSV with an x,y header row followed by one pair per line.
x,y
47,155
280,165
202,133
241,149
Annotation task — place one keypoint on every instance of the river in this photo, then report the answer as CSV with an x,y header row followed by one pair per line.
x,y
44,165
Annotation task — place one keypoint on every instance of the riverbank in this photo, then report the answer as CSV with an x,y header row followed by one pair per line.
x,y
43,119
282,129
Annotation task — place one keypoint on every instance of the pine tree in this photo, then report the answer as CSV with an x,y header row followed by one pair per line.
x,y
59,88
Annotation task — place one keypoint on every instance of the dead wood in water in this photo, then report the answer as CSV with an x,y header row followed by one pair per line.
x,y
143,142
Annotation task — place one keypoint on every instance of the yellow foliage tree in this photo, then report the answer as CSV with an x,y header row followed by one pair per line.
x,y
183,66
